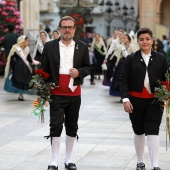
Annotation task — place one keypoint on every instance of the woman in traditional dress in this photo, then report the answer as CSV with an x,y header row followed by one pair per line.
x,y
55,35
122,51
18,70
99,50
42,38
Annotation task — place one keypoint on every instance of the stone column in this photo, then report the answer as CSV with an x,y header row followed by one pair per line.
x,y
30,15
157,10
150,16
147,14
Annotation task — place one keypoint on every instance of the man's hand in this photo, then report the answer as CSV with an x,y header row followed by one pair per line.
x,y
35,62
74,73
105,61
38,99
128,107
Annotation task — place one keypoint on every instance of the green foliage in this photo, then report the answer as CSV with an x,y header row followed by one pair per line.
x,y
162,92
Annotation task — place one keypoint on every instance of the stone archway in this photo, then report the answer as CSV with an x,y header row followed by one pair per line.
x,y
165,12
154,15
158,11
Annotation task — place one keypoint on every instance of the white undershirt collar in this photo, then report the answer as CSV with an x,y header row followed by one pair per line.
x,y
143,55
72,43
146,57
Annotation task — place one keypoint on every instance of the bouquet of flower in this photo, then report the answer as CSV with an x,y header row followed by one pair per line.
x,y
42,89
162,93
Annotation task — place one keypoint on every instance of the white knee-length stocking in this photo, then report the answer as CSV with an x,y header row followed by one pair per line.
x,y
139,141
153,148
69,148
55,148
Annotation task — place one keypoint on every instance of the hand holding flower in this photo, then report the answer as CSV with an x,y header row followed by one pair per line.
x,y
162,93
35,62
42,88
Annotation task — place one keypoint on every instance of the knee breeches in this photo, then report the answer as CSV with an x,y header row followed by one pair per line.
x,y
146,116
64,110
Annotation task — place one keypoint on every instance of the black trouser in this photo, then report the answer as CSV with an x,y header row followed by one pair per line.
x,y
92,73
146,116
64,109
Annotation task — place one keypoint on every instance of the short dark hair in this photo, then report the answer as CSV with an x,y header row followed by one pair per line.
x,y
164,37
48,30
56,32
144,31
10,27
67,18
26,38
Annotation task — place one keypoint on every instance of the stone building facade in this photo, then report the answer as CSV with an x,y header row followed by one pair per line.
x,y
155,15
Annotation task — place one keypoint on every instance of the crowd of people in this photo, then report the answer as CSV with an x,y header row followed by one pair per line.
x,y
129,65
107,57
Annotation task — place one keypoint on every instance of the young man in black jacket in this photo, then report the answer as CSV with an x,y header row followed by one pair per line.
x,y
138,81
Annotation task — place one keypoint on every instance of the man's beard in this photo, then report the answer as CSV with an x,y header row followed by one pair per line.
x,y
67,38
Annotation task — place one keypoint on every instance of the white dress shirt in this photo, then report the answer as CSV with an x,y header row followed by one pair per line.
x,y
146,80
66,61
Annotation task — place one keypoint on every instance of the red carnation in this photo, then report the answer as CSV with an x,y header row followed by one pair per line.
x,y
168,87
45,75
165,83
38,71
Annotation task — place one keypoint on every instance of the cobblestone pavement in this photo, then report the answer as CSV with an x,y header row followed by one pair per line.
x,y
106,137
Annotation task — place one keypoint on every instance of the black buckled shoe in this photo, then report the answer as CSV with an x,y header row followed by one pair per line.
x,y
71,166
92,83
52,167
140,166
20,99
156,168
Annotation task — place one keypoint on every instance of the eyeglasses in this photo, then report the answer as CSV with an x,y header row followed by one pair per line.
x,y
67,27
